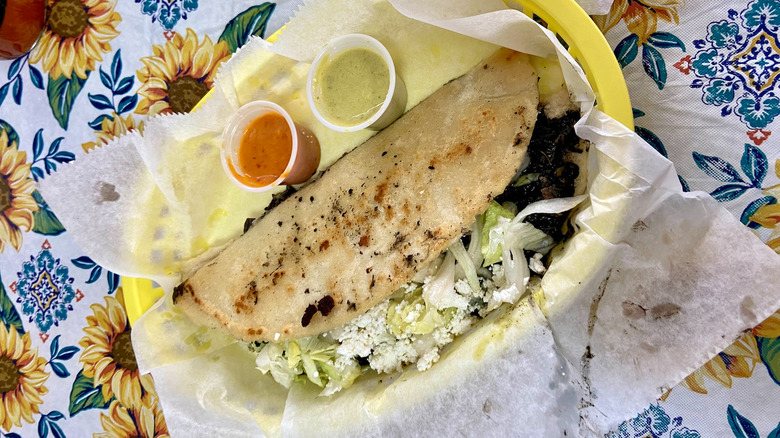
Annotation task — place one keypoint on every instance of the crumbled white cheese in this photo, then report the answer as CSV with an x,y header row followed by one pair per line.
x,y
369,335
463,288
409,287
392,356
414,314
363,333
506,295
460,322
536,265
498,274
428,359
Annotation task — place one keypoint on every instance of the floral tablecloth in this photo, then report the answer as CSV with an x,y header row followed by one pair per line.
x,y
703,78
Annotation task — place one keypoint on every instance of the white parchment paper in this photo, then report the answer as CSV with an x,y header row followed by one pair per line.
x,y
654,283
595,7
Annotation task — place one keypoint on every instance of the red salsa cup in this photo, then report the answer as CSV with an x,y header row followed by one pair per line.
x,y
21,24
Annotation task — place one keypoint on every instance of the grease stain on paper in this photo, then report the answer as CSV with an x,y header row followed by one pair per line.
x,y
106,192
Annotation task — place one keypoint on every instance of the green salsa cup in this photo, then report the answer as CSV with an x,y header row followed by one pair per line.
x,y
353,85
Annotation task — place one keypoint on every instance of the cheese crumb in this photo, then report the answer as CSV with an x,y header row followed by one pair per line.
x,y
536,265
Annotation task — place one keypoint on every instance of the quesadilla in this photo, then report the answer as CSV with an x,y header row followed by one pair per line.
x,y
349,240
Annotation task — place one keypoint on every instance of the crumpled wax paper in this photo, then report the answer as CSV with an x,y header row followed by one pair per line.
x,y
654,283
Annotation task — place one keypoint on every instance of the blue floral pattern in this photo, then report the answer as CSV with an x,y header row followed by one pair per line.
x,y
45,290
744,428
754,165
15,82
738,65
118,86
652,60
654,422
167,12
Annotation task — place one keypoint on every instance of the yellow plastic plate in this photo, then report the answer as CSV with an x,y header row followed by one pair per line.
x,y
586,44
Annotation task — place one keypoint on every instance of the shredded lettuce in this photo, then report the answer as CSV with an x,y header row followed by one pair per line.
x,y
412,315
310,352
519,236
271,360
428,271
475,244
465,263
522,235
491,246
312,356
439,291
339,378
526,179
555,205
516,270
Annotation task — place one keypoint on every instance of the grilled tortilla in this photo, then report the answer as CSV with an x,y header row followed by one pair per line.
x,y
347,241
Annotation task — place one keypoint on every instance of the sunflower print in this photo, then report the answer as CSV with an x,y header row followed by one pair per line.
x,y
179,74
17,204
737,361
143,421
641,17
770,328
768,216
112,127
22,378
108,353
76,36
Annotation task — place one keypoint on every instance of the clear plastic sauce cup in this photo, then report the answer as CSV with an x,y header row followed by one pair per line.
x,y
355,75
262,148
